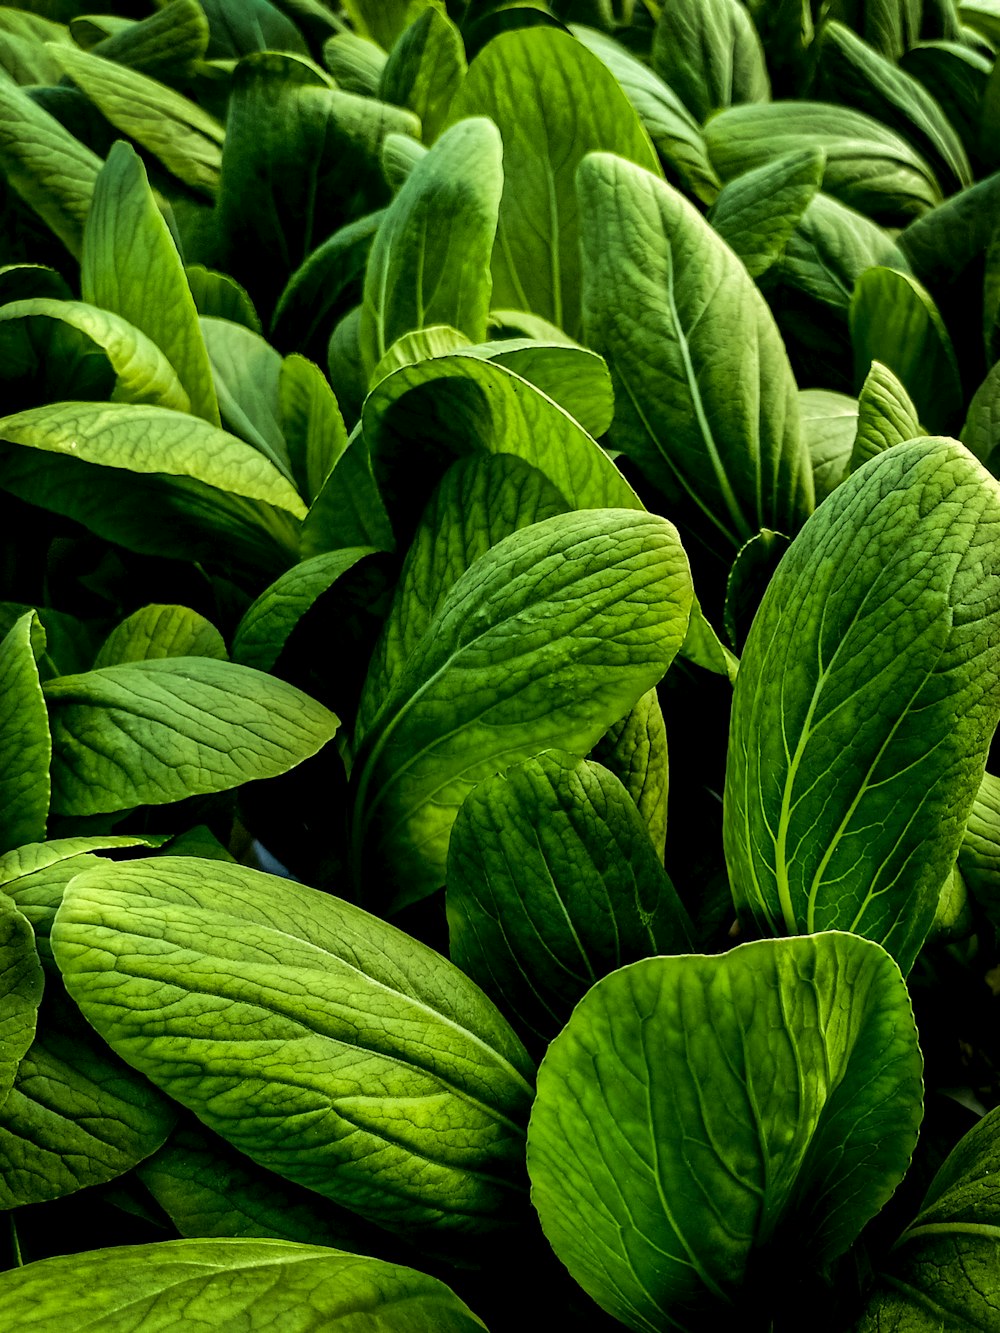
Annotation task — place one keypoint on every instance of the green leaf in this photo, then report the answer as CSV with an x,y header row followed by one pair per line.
x,y
479,501
167,44
957,77
385,20
430,260
70,643
946,240
424,70
485,405
756,213
356,63
348,511
706,401
675,133
155,731
832,246
76,1116
553,102
748,578
868,166
140,371
246,371
979,855
131,267
147,439
829,425
53,172
886,416
186,139
865,702
20,991
420,345
252,1284
981,431
240,27
266,626
552,883
393,1085
635,750
708,51
310,422
222,297
895,321
25,743
853,73
574,377
158,631
300,160
545,640
942,1271
702,1121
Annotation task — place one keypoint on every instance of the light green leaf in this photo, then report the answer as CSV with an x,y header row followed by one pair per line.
x,y
310,422
420,345
385,20
20,991
252,1284
574,377
25,743
865,701
706,401
221,296
635,750
53,172
153,440
886,416
424,70
483,404
161,631
479,501
393,1085
185,138
131,267
141,372
981,431
547,639
868,166
429,263
553,102
552,883
895,321
979,855
832,246
756,213
32,857
400,154
708,51
853,73
155,731
699,1116
76,1116
246,371
166,44
355,62
829,425
266,626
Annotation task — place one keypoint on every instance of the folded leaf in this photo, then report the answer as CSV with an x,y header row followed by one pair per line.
x,y
865,702
701,1121
155,731
392,1084
547,639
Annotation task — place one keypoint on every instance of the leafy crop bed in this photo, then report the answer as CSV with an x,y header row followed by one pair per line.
x,y
419,421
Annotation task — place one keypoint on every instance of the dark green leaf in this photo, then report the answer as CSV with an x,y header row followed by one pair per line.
x,y
981,432
310,423
20,991
709,53
246,371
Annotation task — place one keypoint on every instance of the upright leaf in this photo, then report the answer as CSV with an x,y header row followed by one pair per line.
x,y
756,213
25,743
706,400
865,702
635,749
554,102
430,260
20,991
886,415
131,267
310,423
424,70
708,51
704,1126
829,425
545,640
394,1086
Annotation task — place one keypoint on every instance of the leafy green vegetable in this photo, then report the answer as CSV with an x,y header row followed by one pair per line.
x,y
829,426
250,1283
853,762
161,631
701,1121
394,1086
708,51
20,991
25,742
424,70
886,415
756,213
635,750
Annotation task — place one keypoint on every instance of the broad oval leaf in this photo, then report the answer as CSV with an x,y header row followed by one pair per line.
x,y
25,741
706,401
702,1118
553,102
547,639
552,883
865,702
248,1284
430,260
150,732
393,1085
144,439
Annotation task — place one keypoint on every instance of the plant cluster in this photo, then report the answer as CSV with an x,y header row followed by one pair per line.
x,y
414,416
